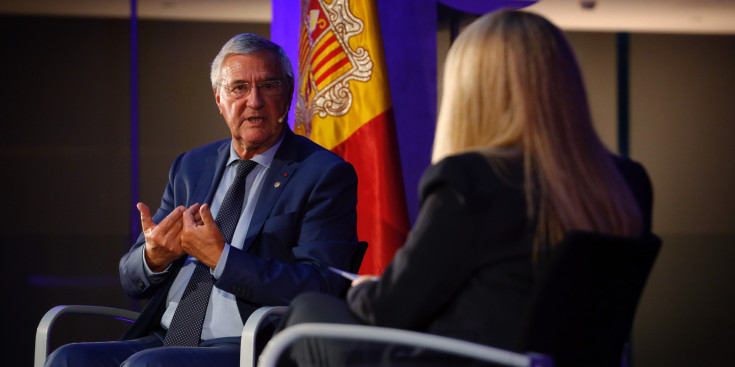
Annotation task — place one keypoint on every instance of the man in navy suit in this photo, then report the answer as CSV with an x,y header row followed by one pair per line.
x,y
298,215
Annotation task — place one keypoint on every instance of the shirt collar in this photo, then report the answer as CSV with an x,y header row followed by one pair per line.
x,y
263,159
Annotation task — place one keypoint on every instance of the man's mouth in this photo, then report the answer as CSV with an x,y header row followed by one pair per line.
x,y
255,119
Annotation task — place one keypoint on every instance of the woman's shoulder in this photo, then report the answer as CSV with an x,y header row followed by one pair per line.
x,y
464,161
640,185
633,172
626,165
469,172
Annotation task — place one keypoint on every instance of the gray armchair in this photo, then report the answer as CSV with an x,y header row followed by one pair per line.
x,y
43,332
248,347
480,352
248,356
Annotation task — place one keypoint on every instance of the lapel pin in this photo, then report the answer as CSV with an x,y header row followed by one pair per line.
x,y
277,184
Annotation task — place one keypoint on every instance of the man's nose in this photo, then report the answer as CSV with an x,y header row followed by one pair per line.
x,y
255,99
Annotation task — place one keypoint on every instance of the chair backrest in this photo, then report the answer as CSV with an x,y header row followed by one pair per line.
x,y
583,306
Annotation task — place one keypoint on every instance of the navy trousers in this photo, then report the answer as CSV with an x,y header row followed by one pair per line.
x,y
146,352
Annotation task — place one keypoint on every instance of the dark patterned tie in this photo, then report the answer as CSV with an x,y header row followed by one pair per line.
x,y
186,326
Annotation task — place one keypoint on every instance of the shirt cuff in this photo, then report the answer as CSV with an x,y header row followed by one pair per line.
x,y
153,276
220,268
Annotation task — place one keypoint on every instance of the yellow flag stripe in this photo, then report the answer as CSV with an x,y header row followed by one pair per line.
x,y
338,68
327,64
323,50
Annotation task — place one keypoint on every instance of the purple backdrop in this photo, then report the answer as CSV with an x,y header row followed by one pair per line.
x,y
409,38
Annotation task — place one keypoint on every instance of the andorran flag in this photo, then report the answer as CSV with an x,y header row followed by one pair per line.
x,y
343,103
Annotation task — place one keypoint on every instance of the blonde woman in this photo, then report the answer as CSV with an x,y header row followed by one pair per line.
x,y
516,165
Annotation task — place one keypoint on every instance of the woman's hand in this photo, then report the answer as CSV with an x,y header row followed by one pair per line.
x,y
364,278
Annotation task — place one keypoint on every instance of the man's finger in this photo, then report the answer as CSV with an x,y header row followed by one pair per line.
x,y
188,220
171,219
194,211
145,217
194,208
206,215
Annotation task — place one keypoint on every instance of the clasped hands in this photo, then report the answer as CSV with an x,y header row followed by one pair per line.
x,y
191,231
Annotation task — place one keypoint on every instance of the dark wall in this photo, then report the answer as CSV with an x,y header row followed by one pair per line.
x,y
65,153
64,149
682,129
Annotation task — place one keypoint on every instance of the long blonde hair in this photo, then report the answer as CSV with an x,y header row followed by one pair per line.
x,y
511,81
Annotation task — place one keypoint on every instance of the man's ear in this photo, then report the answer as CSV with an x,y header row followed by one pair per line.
x,y
217,99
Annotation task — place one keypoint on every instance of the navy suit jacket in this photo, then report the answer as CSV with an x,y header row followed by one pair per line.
x,y
305,217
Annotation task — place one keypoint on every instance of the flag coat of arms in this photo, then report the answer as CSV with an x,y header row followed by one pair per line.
x,y
343,103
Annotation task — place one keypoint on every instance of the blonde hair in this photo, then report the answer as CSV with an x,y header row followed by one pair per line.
x,y
511,82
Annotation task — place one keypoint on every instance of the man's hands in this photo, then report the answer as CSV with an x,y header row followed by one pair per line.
x,y
200,236
192,231
162,240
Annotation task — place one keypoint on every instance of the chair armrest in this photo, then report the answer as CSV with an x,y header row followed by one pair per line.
x,y
249,331
285,338
47,322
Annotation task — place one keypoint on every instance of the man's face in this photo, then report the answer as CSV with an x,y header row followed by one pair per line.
x,y
252,117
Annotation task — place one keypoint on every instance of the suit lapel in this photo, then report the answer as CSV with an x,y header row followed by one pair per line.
x,y
211,181
276,179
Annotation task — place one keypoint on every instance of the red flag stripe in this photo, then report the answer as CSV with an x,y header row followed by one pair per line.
x,y
380,197
332,69
323,45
